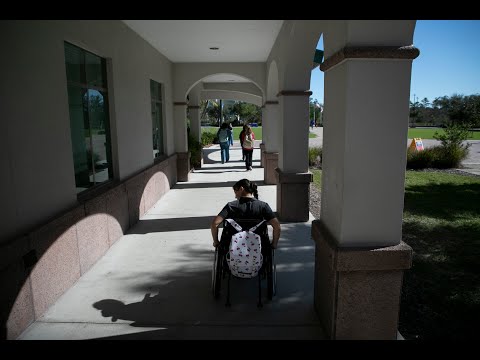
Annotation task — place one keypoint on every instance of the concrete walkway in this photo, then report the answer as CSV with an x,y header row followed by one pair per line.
x,y
470,165
155,281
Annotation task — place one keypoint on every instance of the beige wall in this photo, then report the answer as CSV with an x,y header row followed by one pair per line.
x,y
187,75
36,159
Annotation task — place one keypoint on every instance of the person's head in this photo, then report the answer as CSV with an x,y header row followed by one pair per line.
x,y
245,127
224,126
245,187
248,130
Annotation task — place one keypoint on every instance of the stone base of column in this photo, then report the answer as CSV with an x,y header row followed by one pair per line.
x,y
357,290
183,166
293,195
262,155
269,166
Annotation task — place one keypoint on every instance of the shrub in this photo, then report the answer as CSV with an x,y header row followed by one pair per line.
x,y
438,157
315,156
453,135
420,159
195,149
453,149
450,157
208,138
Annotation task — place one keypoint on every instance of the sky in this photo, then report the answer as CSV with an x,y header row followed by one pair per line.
x,y
449,60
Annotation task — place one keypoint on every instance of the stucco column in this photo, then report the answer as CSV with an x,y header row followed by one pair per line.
x,y
293,178
181,144
195,127
271,125
196,131
264,138
359,254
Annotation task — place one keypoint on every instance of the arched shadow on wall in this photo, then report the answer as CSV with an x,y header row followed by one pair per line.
x,y
37,268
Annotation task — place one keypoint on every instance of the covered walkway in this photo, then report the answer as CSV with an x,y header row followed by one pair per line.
x,y
155,281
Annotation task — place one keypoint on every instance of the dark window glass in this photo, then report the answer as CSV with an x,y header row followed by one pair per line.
x,y
157,120
89,118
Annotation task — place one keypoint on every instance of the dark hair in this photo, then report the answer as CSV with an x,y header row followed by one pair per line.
x,y
249,186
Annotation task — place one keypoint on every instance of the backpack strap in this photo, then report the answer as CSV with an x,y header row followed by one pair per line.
x,y
256,226
239,228
234,224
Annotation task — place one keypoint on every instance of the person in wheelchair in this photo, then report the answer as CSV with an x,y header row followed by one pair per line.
x,y
247,211
246,206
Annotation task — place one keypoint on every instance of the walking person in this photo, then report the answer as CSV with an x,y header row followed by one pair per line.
x,y
230,129
248,142
224,135
240,137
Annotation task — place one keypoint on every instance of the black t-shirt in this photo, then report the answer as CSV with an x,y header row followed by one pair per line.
x,y
247,208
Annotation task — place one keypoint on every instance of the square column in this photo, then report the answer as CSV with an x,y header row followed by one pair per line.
x,y
359,255
364,155
270,143
195,126
270,166
293,196
183,166
293,178
271,126
294,129
262,154
181,144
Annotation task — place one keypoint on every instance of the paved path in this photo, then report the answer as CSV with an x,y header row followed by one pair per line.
x,y
155,281
471,164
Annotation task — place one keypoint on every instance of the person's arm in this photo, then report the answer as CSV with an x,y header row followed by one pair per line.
x,y
276,231
214,228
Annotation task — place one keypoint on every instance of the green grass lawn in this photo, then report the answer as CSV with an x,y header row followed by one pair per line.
x,y
441,222
441,292
317,178
428,133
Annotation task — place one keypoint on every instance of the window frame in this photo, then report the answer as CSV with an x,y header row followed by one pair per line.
x,y
161,126
85,87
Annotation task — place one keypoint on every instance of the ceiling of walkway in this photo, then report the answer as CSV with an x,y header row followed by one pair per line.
x,y
191,40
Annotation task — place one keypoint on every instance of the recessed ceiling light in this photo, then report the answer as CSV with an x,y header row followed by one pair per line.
x,y
214,48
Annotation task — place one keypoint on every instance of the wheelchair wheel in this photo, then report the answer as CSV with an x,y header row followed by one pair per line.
x,y
216,274
274,277
271,276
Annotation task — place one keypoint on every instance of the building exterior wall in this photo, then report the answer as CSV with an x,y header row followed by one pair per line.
x,y
37,179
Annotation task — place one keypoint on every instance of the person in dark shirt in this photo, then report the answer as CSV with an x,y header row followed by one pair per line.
x,y
247,206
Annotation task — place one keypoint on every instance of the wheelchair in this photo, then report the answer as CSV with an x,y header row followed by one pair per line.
x,y
221,269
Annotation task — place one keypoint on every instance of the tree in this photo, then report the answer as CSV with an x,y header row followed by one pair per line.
x,y
212,110
414,111
246,112
315,112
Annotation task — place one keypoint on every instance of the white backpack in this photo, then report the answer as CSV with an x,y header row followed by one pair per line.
x,y
245,254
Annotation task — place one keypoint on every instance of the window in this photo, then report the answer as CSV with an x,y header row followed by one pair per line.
x,y
89,118
157,123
